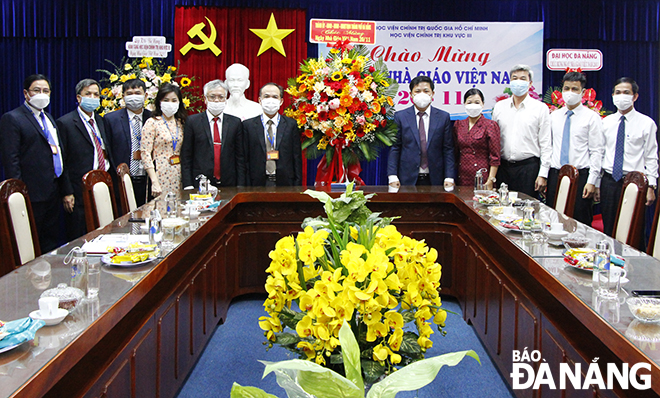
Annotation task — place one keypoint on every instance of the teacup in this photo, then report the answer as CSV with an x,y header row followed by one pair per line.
x,y
556,227
48,306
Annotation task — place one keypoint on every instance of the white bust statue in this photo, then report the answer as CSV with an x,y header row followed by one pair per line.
x,y
238,80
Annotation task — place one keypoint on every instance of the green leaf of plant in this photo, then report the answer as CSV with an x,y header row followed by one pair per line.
x,y
320,195
287,338
416,375
409,344
239,391
372,370
350,351
316,379
408,316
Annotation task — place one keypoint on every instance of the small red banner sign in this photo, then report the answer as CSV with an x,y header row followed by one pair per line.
x,y
334,30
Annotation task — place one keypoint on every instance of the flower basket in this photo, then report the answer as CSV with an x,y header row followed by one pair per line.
x,y
344,108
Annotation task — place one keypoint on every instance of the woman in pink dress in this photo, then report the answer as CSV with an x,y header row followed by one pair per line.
x,y
477,141
162,136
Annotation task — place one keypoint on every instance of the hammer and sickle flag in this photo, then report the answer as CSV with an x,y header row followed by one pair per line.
x,y
208,42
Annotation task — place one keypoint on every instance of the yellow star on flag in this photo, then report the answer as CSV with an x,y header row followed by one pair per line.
x,y
272,37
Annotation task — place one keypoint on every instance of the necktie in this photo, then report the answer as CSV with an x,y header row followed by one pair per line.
x,y
270,145
97,143
56,157
566,139
617,168
217,146
136,130
424,164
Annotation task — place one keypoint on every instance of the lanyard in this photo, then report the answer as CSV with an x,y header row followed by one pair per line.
x,y
96,137
274,126
44,128
175,138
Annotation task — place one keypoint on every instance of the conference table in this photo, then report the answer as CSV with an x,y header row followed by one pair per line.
x,y
143,333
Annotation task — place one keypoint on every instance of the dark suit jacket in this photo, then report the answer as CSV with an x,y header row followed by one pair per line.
x,y
406,152
119,135
26,154
78,151
287,142
197,151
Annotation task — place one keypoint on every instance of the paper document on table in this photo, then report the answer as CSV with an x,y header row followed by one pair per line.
x,y
99,245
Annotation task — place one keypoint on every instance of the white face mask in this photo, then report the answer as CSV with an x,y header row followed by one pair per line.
x,y
216,108
473,110
270,105
134,102
169,108
39,101
519,87
622,101
571,98
422,100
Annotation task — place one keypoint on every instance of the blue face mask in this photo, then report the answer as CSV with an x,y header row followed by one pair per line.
x,y
88,104
519,87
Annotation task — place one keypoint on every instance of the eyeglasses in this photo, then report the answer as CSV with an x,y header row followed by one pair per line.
x,y
40,91
216,98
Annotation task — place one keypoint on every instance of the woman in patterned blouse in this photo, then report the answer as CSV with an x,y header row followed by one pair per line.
x,y
477,141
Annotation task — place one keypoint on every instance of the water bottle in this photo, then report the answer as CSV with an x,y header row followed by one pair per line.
x,y
79,266
155,227
601,264
170,203
479,180
504,194
203,184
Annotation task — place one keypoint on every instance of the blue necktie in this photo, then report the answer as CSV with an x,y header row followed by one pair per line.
x,y
566,139
617,169
51,141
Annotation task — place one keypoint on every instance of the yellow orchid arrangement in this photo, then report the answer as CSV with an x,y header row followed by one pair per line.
x,y
153,72
354,267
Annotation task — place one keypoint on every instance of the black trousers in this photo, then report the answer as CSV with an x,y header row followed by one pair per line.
x,y
519,176
47,219
610,194
584,210
140,189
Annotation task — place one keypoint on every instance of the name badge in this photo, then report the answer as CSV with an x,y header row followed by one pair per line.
x,y
273,155
175,159
53,149
137,155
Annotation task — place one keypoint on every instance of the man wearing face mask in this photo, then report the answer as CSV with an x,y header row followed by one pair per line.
x,y
85,148
272,143
525,136
577,139
213,143
630,145
423,153
125,134
31,151
238,80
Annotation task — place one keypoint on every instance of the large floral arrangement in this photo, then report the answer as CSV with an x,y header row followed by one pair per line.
x,y
343,105
353,266
153,72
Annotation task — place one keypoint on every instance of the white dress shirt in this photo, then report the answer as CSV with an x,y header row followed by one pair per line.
x,y
586,141
93,135
641,146
210,116
276,121
51,129
525,131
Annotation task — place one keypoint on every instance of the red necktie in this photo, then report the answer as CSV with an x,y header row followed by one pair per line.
x,y
97,143
217,146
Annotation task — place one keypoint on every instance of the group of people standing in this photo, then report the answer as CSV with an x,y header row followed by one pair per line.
x,y
238,142
165,149
524,145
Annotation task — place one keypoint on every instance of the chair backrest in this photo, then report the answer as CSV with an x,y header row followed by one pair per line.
x,y
566,190
126,193
629,223
19,241
99,199
653,248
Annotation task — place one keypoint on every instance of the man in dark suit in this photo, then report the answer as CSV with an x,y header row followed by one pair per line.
x,y
213,143
85,148
32,152
272,143
125,133
423,153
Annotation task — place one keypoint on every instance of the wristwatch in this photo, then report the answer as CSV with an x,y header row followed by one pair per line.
x,y
492,179
653,187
